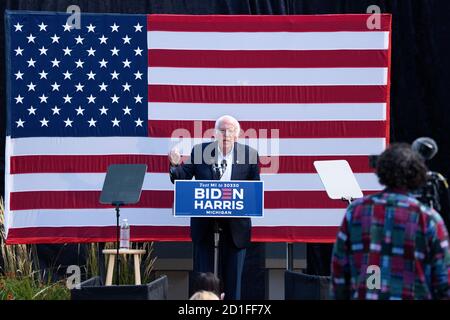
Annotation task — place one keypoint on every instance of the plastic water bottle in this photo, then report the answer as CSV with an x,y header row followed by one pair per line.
x,y
124,234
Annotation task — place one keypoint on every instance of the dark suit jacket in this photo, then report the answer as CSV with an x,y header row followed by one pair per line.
x,y
200,165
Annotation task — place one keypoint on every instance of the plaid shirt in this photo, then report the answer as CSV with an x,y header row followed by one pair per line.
x,y
403,241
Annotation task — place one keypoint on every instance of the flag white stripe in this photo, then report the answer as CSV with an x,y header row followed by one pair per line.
x,y
161,181
161,146
267,76
268,40
265,112
164,217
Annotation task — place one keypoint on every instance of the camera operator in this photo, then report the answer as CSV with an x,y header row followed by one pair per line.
x,y
394,233
435,193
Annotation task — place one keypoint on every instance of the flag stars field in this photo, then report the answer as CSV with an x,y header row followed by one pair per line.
x,y
68,51
52,45
48,45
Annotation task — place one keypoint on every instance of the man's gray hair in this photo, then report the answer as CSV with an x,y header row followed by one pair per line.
x,y
231,119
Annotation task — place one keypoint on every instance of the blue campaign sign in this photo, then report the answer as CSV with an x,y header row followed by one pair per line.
x,y
216,198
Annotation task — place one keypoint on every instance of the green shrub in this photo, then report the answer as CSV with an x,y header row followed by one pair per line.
x,y
27,288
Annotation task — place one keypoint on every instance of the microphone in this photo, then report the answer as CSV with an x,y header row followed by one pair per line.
x,y
216,170
224,165
220,170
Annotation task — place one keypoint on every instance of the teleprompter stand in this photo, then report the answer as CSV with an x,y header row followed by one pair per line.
x,y
340,183
122,185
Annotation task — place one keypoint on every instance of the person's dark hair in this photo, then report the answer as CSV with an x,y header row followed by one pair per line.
x,y
400,167
206,281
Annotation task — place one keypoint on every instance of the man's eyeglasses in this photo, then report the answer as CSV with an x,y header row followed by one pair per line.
x,y
230,132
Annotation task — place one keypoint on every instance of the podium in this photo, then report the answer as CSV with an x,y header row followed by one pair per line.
x,y
218,199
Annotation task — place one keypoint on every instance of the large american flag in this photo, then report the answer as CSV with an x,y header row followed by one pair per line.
x,y
304,88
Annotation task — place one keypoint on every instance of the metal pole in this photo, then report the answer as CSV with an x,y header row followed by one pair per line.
x,y
290,256
101,261
216,248
118,244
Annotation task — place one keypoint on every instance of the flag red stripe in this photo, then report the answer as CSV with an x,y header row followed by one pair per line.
x,y
267,94
322,234
281,129
268,58
95,234
160,163
29,200
305,164
82,199
266,23
162,233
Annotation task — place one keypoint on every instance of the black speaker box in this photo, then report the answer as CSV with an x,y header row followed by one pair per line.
x,y
93,289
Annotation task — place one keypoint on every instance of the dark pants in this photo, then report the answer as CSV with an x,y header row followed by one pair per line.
x,y
318,259
231,262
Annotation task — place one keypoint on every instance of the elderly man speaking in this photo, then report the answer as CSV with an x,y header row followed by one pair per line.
x,y
222,159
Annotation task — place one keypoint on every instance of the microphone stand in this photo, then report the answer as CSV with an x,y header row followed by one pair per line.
x,y
117,242
216,247
217,230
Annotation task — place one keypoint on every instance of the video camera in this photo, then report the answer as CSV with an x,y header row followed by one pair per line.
x,y
430,192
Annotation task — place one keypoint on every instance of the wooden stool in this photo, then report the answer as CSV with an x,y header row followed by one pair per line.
x,y
112,258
